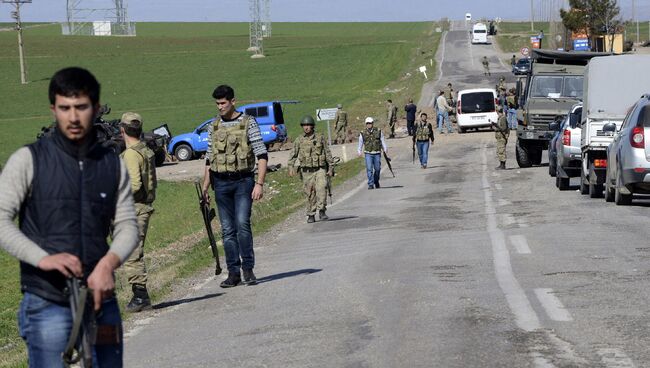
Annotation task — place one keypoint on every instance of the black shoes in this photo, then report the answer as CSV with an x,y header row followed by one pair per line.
x,y
322,215
140,300
502,166
233,280
377,185
249,278
311,219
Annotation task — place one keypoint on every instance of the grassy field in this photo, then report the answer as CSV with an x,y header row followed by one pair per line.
x,y
630,30
512,36
167,73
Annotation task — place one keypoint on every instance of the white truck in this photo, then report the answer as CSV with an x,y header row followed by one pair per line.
x,y
612,84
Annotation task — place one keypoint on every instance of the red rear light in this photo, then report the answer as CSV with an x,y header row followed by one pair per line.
x,y
637,137
566,137
458,107
274,128
600,163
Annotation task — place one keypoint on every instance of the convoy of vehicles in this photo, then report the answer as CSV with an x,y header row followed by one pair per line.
x,y
475,108
269,116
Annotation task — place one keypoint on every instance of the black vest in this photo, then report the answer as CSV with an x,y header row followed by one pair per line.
x,y
69,209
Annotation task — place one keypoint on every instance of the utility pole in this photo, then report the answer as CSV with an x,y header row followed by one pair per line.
x,y
532,17
635,19
21,52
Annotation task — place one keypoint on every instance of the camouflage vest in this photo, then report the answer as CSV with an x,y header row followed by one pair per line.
x,y
147,192
231,151
371,140
311,152
422,132
342,118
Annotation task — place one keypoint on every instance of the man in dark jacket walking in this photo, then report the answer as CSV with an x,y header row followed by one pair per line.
x,y
410,109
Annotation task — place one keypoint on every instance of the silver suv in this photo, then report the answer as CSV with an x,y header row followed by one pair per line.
x,y
567,148
628,156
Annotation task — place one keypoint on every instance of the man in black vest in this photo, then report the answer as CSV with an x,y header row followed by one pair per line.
x,y
67,190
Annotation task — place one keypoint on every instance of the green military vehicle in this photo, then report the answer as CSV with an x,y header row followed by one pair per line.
x,y
552,85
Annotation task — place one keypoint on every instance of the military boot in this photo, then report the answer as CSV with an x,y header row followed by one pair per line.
x,y
502,166
140,300
311,219
322,215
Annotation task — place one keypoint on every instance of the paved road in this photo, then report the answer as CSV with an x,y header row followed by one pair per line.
x,y
457,265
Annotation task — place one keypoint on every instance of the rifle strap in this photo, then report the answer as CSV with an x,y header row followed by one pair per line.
x,y
77,321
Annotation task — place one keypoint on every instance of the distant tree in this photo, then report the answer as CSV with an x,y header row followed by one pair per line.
x,y
594,17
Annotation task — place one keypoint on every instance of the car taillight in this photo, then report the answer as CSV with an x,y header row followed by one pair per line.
x,y
637,137
274,128
566,137
600,163
458,107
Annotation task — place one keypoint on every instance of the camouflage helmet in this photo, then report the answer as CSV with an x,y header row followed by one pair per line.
x,y
307,120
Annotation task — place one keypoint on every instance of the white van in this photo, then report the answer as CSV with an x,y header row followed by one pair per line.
x,y
476,108
479,33
468,17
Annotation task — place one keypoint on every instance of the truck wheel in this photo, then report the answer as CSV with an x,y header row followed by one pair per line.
x,y
563,183
584,188
523,159
183,152
609,191
620,198
535,156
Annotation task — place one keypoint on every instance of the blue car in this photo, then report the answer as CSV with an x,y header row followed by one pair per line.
x,y
268,115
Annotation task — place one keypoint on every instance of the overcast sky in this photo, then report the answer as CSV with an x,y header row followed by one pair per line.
x,y
308,10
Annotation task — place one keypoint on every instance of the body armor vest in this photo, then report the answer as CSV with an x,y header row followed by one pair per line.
x,y
231,151
422,132
371,140
147,192
312,151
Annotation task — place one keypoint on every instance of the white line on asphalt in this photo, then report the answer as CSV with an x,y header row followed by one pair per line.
x,y
525,315
520,244
553,306
614,358
498,186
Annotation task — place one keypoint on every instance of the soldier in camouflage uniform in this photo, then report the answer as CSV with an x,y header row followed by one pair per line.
x,y
501,133
341,125
140,164
312,157
486,66
449,96
391,118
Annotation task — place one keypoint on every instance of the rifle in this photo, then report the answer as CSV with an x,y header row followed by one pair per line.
x,y
413,155
388,160
208,214
84,327
335,161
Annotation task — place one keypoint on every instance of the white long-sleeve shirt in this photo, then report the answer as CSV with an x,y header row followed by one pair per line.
x,y
441,103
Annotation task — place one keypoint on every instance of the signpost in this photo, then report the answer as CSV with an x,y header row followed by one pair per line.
x,y
327,114
525,51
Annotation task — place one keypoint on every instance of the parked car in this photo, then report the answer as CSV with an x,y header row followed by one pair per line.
x,y
479,33
522,66
475,108
566,147
269,116
468,17
628,156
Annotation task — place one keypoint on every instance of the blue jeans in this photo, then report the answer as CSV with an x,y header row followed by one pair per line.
x,y
373,168
423,151
512,118
45,327
234,203
443,118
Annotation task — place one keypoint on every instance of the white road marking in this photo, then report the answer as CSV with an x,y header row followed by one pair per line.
x,y
525,315
553,306
615,358
498,186
520,244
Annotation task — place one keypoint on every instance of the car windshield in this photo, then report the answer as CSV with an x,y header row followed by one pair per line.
x,y
477,102
523,62
479,31
557,86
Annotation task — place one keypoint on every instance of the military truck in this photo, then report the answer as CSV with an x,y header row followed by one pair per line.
x,y
612,84
553,84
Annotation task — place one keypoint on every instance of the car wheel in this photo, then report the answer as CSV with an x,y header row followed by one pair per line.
x,y
183,152
584,188
523,159
609,191
461,130
620,198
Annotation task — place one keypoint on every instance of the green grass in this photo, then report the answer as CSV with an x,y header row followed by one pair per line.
x,y
168,71
512,36
630,29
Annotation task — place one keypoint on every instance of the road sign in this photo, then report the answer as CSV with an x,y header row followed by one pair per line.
x,y
535,42
326,114
525,51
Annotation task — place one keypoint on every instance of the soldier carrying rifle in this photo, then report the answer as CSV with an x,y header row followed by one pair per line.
x,y
312,157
